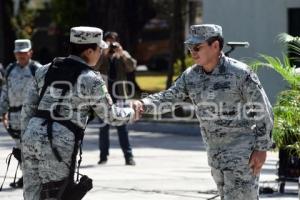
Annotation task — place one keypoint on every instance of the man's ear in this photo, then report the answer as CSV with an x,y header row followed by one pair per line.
x,y
30,53
216,44
86,52
89,51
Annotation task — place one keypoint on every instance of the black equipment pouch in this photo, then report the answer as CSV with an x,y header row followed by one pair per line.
x,y
76,191
66,190
53,189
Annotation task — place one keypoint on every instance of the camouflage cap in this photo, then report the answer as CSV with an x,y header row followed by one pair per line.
x,y
87,35
22,45
201,33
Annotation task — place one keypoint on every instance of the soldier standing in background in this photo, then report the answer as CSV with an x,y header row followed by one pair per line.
x,y
115,64
234,112
18,76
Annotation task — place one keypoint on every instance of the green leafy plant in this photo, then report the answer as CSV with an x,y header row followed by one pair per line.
x,y
177,65
286,132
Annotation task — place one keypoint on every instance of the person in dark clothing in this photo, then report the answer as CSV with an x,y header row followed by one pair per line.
x,y
115,64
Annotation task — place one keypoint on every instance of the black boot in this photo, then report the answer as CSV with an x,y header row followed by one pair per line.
x,y
130,161
18,184
102,161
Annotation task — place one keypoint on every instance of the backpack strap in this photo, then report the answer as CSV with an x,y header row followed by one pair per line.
x,y
9,68
33,67
46,84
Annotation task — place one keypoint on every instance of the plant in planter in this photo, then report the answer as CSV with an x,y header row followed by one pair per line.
x,y
286,132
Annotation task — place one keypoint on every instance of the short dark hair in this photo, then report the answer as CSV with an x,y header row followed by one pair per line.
x,y
77,49
111,35
216,38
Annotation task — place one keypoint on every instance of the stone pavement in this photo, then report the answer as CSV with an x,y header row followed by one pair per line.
x,y
169,167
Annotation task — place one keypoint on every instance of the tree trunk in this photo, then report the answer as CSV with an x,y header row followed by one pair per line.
x,y
7,36
1,31
177,38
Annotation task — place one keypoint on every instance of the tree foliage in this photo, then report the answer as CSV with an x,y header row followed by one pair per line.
x,y
67,14
23,22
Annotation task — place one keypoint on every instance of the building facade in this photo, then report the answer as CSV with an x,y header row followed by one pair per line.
x,y
259,22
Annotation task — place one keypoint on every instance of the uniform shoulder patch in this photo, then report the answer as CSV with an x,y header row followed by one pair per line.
x,y
104,93
104,89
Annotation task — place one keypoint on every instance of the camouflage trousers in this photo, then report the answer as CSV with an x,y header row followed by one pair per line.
x,y
237,184
40,166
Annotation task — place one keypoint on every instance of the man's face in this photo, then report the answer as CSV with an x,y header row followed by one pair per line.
x,y
23,57
203,53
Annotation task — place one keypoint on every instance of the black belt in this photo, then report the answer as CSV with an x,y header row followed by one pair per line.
x,y
16,134
15,109
78,131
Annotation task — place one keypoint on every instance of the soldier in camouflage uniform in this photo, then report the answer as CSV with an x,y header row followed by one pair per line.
x,y
18,76
234,112
52,116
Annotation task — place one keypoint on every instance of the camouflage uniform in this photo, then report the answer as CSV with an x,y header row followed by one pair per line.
x,y
13,92
89,92
224,101
16,80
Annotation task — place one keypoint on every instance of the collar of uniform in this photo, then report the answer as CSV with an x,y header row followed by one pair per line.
x,y
219,69
29,62
77,58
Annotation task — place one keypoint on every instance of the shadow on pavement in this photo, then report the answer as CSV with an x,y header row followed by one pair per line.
x,y
147,140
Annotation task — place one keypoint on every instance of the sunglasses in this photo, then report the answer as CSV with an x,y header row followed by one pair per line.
x,y
195,48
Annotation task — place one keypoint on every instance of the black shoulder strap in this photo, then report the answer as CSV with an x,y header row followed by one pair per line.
x,y
46,83
62,69
9,69
33,68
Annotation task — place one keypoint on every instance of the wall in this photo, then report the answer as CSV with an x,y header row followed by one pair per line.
x,y
258,22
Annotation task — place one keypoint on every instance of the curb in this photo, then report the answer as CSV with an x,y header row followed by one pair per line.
x,y
172,127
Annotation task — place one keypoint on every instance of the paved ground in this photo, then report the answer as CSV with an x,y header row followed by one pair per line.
x,y
169,167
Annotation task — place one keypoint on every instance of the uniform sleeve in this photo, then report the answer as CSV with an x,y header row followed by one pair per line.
x,y
163,102
30,104
260,110
103,106
4,103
